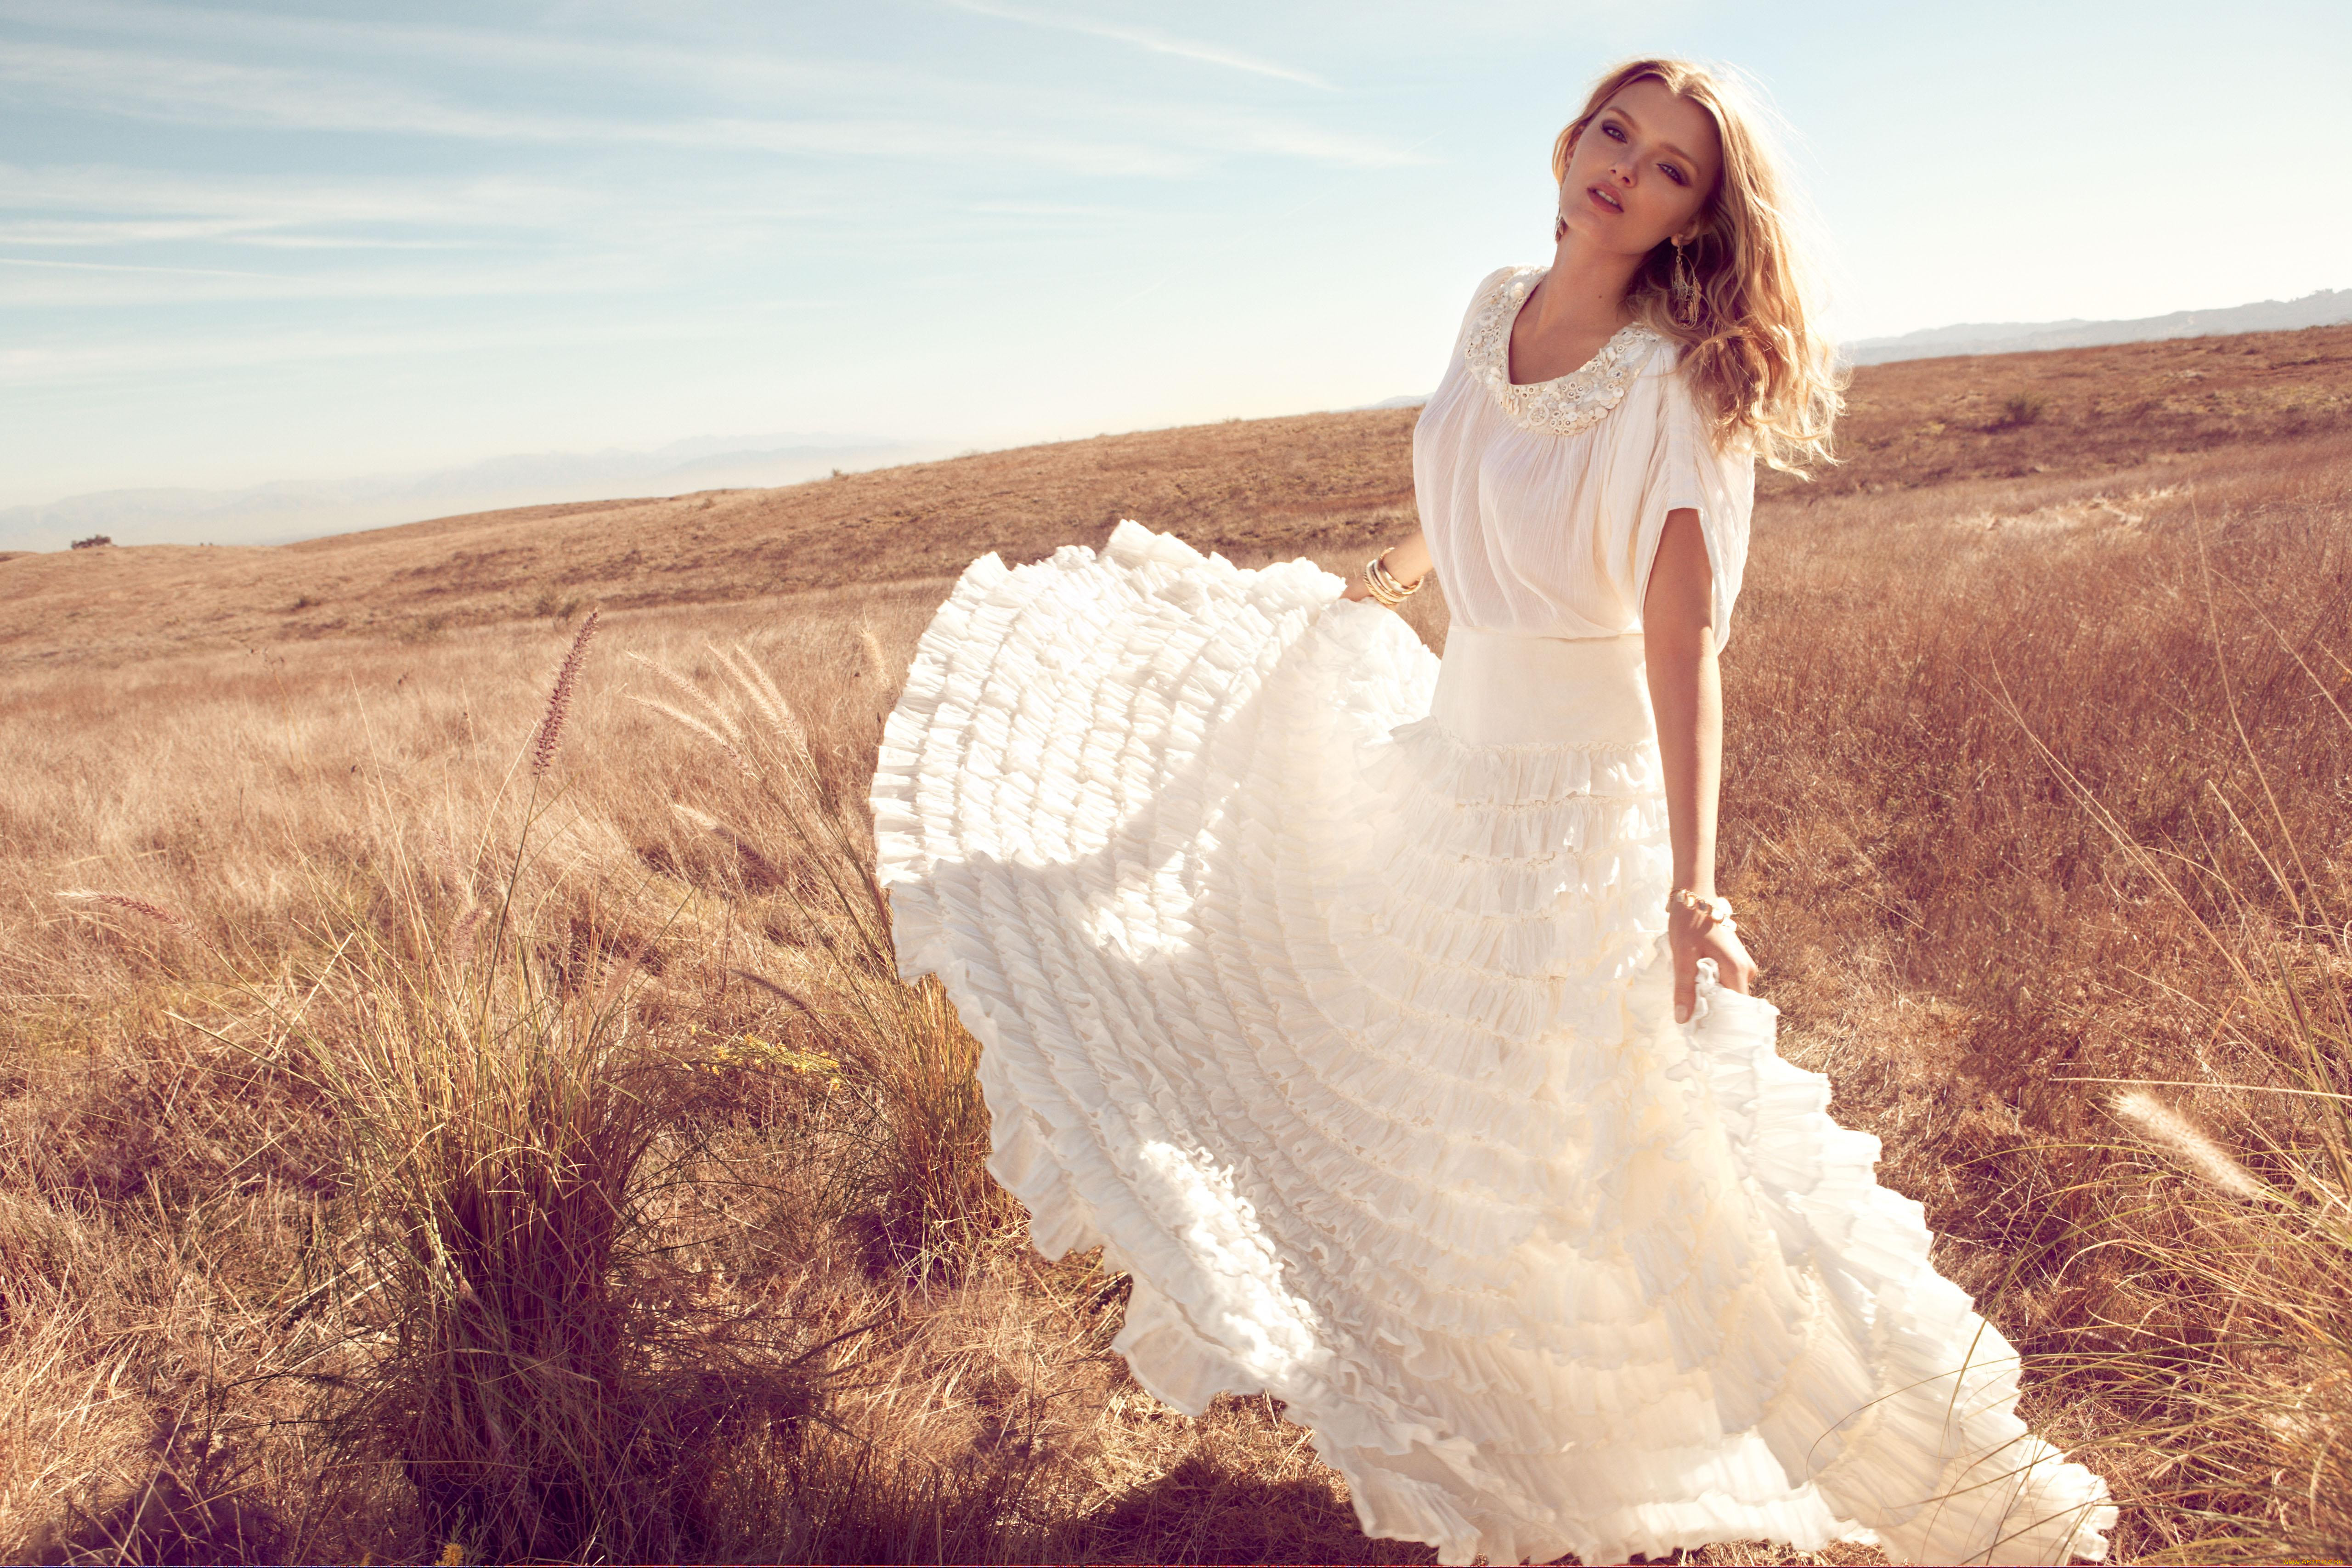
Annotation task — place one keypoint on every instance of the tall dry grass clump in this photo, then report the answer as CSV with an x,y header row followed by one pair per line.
x,y
2035,788
508,1122
926,1153
500,1139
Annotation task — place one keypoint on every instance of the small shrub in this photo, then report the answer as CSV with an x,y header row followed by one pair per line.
x,y
92,542
2021,410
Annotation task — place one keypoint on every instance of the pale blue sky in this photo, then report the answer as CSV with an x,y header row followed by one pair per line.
x,y
248,244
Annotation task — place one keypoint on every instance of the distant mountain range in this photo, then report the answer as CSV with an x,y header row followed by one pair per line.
x,y
2328,308
275,513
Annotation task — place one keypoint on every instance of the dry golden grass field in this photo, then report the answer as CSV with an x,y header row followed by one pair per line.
x,y
428,1131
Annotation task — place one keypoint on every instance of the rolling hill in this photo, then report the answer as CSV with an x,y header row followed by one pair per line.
x,y
1252,488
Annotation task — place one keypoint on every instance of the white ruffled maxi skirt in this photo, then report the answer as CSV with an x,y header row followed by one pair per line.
x,y
1324,985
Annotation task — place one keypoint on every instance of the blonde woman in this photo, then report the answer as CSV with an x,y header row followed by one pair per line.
x,y
1379,1014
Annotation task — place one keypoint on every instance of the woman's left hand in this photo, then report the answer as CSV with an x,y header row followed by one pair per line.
x,y
1733,968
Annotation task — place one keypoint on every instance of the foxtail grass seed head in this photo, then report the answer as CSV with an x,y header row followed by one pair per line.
x,y
698,816
2185,1142
152,911
719,720
769,698
558,701
734,754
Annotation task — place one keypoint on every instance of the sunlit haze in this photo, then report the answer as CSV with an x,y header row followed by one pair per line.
x,y
240,246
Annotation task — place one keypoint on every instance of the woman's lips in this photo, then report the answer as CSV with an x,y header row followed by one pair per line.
x,y
1603,199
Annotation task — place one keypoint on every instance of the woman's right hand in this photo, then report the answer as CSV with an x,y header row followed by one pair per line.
x,y
1734,969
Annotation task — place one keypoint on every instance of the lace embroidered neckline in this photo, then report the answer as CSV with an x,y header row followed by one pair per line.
x,y
1566,404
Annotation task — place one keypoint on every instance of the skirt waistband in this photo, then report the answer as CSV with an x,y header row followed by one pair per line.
x,y
1507,689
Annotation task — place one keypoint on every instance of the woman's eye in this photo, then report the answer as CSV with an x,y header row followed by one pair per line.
x,y
1613,133
1674,173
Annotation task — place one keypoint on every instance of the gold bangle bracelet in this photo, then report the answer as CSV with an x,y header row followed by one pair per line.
x,y
1383,585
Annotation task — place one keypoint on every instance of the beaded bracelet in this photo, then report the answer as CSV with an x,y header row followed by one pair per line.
x,y
1712,912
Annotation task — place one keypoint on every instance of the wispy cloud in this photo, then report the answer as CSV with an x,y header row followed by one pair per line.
x,y
96,233
37,364
213,94
46,264
1252,133
848,109
97,208
753,74
1149,38
489,200
92,237
373,42
1164,142
29,281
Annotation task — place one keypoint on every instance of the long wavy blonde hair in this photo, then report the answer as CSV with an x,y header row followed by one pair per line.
x,y
1750,350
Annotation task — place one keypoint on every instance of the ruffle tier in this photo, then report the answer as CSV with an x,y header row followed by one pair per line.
x,y
1353,1045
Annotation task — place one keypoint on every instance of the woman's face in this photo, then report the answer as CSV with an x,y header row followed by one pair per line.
x,y
1642,171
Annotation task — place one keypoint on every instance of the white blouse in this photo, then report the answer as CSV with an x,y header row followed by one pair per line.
x,y
1542,504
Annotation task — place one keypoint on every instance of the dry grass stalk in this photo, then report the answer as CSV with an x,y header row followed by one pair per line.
x,y
137,906
550,733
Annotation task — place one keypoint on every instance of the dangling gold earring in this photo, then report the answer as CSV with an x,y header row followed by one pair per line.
x,y
1683,296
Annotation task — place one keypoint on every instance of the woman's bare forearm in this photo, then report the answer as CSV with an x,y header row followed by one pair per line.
x,y
1408,558
1685,695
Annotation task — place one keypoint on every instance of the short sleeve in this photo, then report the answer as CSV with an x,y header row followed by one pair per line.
x,y
1687,468
1477,299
